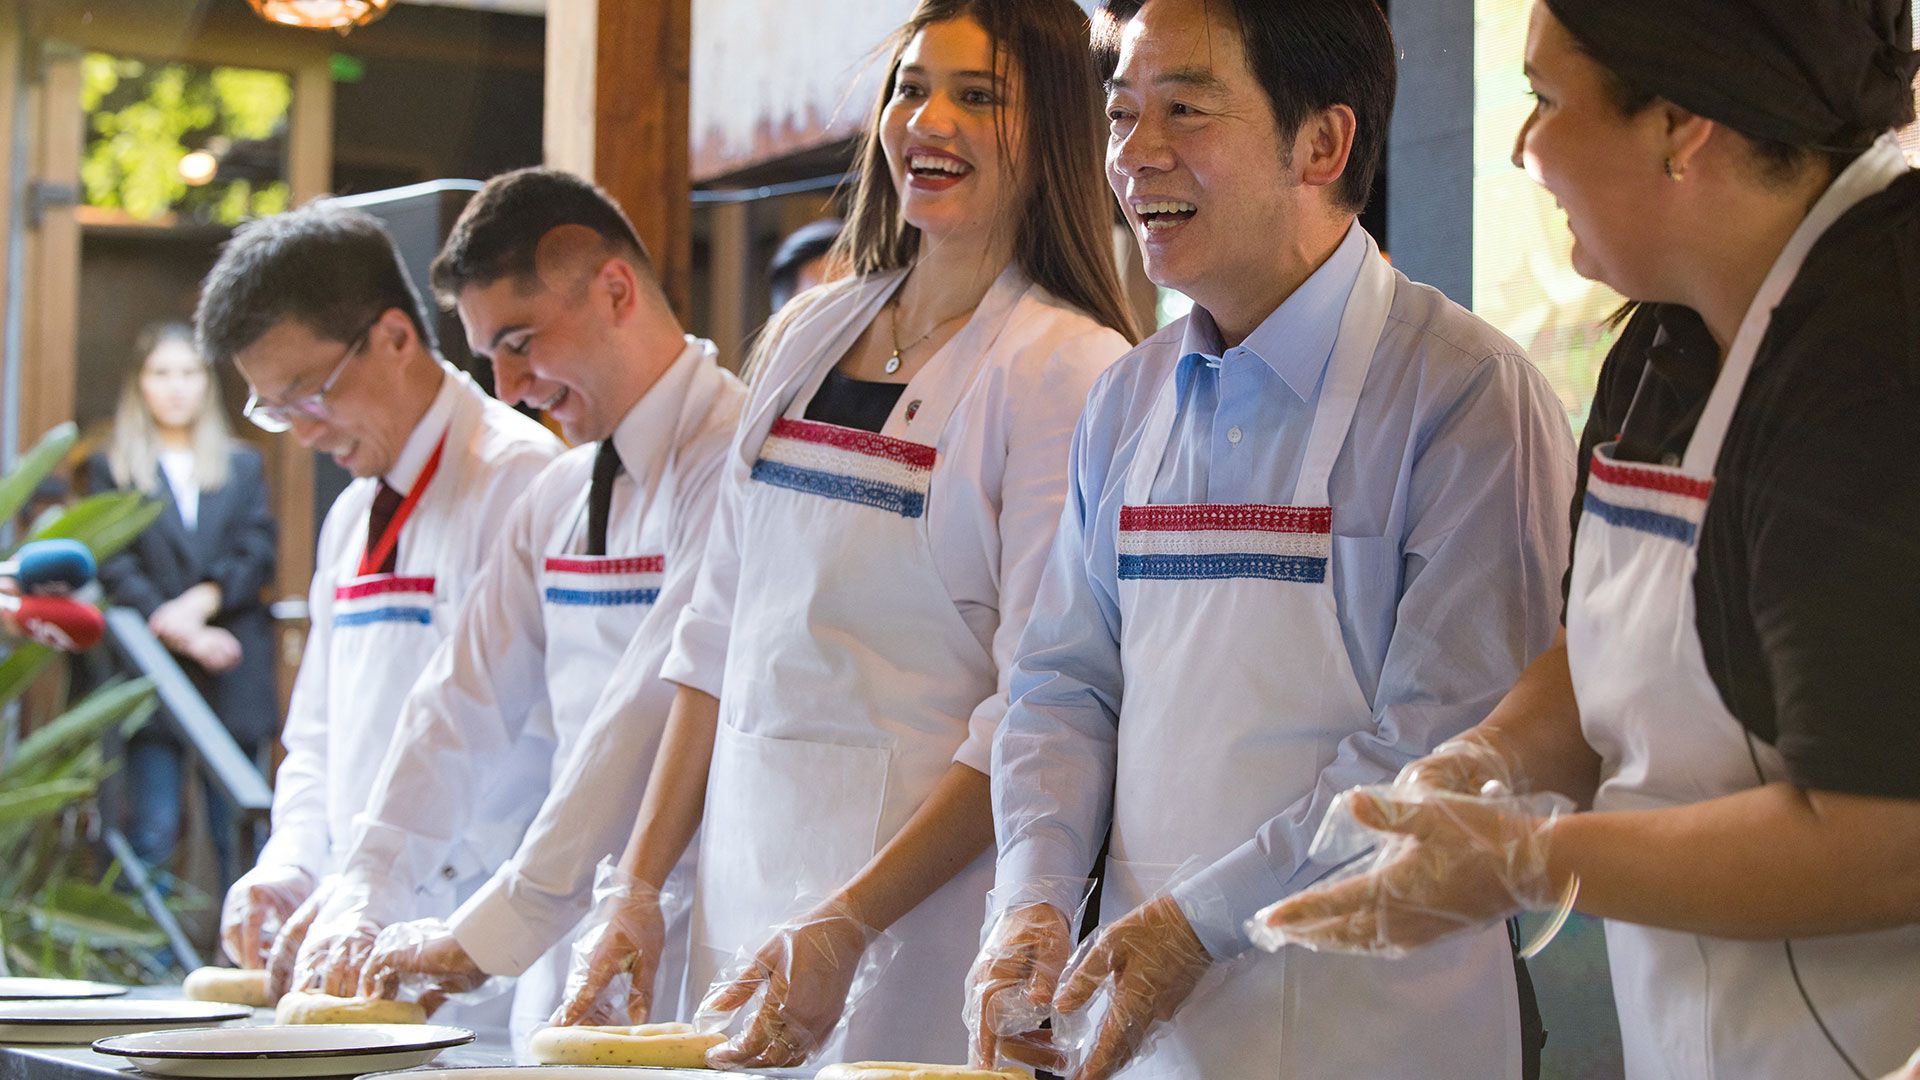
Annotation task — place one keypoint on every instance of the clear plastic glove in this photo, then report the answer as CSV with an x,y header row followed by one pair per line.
x,y
257,907
611,973
1464,766
1443,864
287,943
804,977
339,940
1150,959
422,958
1011,985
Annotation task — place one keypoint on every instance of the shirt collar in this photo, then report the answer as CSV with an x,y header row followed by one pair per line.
x,y
645,436
413,455
1298,337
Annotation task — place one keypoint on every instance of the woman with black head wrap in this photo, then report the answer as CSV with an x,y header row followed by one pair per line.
x,y
1736,697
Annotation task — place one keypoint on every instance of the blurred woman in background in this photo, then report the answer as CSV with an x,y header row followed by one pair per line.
x,y
196,574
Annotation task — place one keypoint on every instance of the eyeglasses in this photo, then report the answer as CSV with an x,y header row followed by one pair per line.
x,y
277,418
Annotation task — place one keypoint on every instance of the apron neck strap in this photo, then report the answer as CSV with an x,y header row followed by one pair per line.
x,y
1361,322
1868,175
375,557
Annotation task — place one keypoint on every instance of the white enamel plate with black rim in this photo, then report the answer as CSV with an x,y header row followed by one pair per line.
x,y
285,1050
20,988
82,1021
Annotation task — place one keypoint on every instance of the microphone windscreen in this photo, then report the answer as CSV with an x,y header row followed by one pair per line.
x,y
60,623
53,567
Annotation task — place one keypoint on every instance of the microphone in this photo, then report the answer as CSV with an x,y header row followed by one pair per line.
x,y
53,621
50,567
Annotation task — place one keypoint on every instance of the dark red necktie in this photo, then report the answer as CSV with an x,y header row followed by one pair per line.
x,y
385,503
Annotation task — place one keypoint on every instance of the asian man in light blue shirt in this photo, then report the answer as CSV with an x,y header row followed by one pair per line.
x,y
1314,530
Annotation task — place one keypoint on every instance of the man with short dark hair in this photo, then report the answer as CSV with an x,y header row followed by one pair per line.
x,y
565,631
314,308
1314,530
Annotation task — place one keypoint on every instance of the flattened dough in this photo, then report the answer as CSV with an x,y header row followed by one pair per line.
x,y
907,1070
235,986
664,1046
301,1007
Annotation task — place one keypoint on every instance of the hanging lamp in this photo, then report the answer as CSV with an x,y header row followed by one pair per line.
x,y
341,15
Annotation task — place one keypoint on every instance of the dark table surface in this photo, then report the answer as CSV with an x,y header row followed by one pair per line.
x,y
50,1061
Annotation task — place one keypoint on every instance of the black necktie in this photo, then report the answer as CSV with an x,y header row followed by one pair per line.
x,y
385,503
606,466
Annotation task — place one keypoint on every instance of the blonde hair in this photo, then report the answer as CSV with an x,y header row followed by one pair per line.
x,y
133,453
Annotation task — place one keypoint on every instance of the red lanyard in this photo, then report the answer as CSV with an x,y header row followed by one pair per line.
x,y
372,561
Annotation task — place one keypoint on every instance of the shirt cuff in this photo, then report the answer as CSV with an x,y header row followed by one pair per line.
x,y
1220,899
505,931
299,848
699,654
1029,871
387,856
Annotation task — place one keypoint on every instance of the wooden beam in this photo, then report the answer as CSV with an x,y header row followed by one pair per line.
x,y
53,257
729,247
617,96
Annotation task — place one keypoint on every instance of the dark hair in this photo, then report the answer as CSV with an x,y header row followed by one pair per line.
x,y
1063,238
1778,163
502,225
1308,56
332,268
802,246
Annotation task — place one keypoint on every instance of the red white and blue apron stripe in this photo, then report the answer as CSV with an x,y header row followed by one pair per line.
x,y
1651,499
843,463
383,598
581,581
1218,542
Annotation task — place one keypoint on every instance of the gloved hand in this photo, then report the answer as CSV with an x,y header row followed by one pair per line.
x,y
421,954
617,957
1464,766
340,938
1011,985
1443,864
287,943
1153,960
803,976
256,909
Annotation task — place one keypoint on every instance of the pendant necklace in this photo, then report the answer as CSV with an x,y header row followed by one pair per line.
x,y
893,363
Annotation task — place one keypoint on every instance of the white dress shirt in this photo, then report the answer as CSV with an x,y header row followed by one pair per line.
x,y
333,746
486,688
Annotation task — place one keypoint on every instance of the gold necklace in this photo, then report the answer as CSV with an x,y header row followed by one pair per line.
x,y
893,326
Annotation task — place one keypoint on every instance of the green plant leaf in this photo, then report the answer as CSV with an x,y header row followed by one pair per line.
x,y
17,486
117,532
80,726
20,669
39,800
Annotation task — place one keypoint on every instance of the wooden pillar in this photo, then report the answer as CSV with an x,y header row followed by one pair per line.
x,y
729,246
53,254
617,110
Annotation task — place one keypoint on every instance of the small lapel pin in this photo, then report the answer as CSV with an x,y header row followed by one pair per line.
x,y
912,408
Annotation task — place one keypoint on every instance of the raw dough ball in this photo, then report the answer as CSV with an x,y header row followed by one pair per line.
x,y
665,1046
235,986
301,1007
907,1070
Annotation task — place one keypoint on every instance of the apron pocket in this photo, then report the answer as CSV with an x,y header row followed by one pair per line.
x,y
786,820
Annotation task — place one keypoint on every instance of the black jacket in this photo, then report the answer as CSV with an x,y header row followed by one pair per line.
x,y
232,545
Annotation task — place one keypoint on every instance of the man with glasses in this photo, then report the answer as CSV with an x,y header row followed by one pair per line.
x,y
567,628
315,310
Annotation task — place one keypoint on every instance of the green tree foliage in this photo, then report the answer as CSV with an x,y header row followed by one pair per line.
x,y
144,117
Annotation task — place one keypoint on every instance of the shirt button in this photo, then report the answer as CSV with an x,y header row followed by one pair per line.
x,y
448,872
1233,435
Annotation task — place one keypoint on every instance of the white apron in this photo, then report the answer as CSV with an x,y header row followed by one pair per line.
x,y
1238,691
592,605
849,680
1693,1007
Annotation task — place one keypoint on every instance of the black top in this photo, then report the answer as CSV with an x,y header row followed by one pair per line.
x,y
1808,587
234,543
854,403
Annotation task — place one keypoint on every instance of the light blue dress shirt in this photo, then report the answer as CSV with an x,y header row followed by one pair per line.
x,y
1450,512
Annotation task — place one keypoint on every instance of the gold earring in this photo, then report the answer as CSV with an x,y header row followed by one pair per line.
x,y
1673,174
